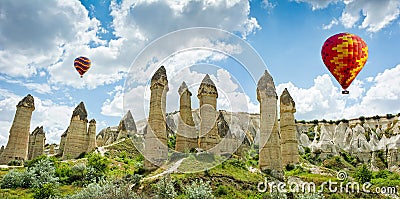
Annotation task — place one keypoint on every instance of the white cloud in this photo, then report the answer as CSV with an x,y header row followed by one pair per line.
x,y
269,6
331,24
375,14
114,107
318,4
37,87
324,101
33,33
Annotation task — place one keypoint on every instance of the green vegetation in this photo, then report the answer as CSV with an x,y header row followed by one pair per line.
x,y
363,174
120,174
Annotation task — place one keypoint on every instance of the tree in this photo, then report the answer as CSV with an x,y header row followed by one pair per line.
x,y
363,174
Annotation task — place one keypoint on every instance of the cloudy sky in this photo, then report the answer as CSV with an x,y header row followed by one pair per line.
x,y
128,40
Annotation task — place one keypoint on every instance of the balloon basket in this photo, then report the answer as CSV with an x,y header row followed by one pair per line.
x,y
81,76
345,92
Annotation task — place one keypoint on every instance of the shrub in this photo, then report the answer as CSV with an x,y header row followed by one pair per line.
x,y
199,190
34,161
78,172
105,190
44,172
315,122
64,173
221,191
363,174
362,118
46,191
289,167
164,189
382,174
12,180
389,116
171,142
14,163
99,164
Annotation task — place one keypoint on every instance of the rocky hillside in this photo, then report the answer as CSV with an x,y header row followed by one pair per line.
x,y
360,137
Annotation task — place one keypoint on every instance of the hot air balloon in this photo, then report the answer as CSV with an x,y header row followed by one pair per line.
x,y
344,55
82,64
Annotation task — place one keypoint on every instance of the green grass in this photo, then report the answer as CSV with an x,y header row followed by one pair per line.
x,y
16,193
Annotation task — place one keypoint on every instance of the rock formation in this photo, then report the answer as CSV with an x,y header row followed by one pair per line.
x,y
36,143
127,126
289,144
207,94
62,142
91,136
156,150
186,137
107,136
78,138
17,145
52,149
270,148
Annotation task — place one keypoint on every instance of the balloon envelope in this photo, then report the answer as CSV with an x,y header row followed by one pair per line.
x,y
82,64
344,55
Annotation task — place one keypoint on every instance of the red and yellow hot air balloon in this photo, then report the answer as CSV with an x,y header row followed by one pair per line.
x,y
344,55
82,64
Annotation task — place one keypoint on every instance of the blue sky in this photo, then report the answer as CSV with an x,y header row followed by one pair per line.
x,y
39,41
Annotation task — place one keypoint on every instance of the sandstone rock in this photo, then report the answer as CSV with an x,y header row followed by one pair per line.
x,y
326,144
289,144
186,136
156,150
78,138
270,151
208,135
36,143
304,140
359,145
17,145
127,126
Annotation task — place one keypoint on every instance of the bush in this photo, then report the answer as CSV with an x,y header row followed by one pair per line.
x,y
221,191
11,180
199,190
164,189
46,191
289,167
64,173
14,163
34,161
389,116
105,190
99,165
44,172
382,174
171,142
363,174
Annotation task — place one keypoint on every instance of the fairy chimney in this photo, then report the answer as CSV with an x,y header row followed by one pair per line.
x,y
208,94
270,149
289,145
17,145
36,143
186,137
155,149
